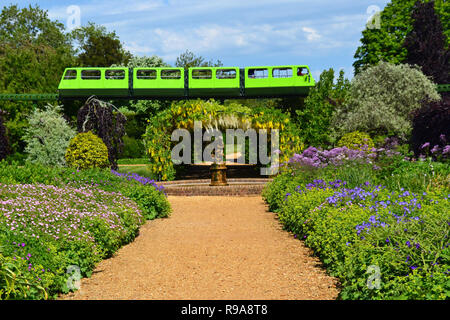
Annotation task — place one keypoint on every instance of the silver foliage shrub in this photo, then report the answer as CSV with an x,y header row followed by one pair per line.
x,y
382,99
48,136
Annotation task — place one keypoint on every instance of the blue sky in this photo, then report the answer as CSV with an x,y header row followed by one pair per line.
x,y
320,33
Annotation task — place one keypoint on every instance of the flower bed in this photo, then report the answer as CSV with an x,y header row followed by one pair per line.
x,y
381,243
47,228
55,219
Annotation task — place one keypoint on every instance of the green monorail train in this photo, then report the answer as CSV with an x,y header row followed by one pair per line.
x,y
178,83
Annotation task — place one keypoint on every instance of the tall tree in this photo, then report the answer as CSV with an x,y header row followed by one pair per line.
x,y
386,42
315,117
145,108
426,43
99,48
189,59
34,51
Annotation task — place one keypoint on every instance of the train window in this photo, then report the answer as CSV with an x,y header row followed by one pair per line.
x,y
70,75
202,74
146,74
90,74
258,73
302,72
115,74
226,74
282,73
170,74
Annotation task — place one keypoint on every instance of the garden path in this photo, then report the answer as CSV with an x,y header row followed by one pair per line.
x,y
211,248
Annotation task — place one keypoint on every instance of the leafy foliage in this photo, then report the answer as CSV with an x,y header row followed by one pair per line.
x,y
382,99
386,43
188,59
352,224
98,116
431,125
85,151
48,136
34,50
4,141
143,107
315,117
356,140
65,235
99,48
133,148
182,115
426,43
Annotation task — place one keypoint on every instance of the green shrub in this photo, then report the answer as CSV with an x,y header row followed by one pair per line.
x,y
16,283
86,150
315,118
47,136
133,148
382,98
356,140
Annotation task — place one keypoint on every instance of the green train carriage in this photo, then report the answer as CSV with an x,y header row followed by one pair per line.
x,y
177,83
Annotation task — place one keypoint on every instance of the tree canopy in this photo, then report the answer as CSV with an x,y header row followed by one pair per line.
x,y
382,98
386,43
99,48
189,59
426,43
34,50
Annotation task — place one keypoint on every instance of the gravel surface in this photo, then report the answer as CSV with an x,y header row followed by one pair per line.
x,y
211,248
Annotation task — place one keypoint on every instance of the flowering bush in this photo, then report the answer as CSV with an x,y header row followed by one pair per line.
x,y
437,152
62,227
317,158
150,197
431,125
354,229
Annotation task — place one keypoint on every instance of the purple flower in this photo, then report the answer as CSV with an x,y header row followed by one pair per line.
x,y
425,145
435,149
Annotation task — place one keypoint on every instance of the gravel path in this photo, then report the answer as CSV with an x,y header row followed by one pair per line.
x,y
211,248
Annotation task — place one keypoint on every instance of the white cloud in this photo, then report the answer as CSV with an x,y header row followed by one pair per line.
x,y
138,49
311,34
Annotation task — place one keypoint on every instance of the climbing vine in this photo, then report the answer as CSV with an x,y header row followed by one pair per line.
x,y
182,115
99,117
